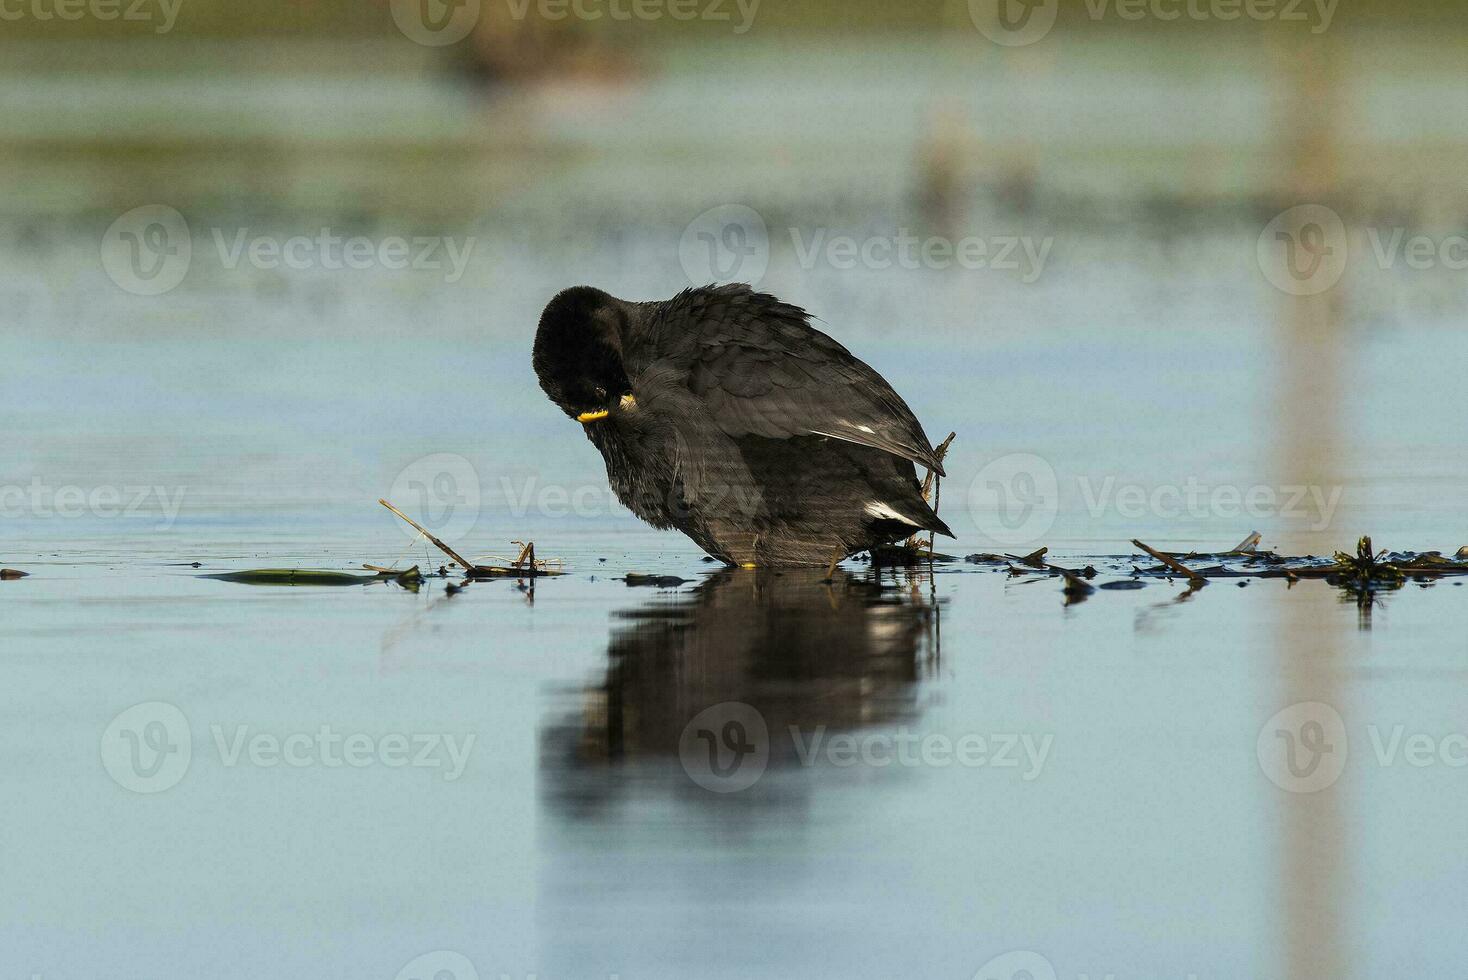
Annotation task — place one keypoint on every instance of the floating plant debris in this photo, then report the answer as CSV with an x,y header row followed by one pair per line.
x,y
1361,573
907,555
1172,563
524,566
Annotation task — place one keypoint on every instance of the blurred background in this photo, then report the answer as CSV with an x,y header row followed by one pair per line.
x,y
1055,226
1175,270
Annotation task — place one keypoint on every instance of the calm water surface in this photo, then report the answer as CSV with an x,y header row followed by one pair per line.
x,y
531,787
1139,836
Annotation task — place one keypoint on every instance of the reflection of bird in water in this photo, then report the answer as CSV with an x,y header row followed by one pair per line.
x,y
804,654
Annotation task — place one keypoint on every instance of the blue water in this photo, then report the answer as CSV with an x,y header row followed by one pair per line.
x,y
555,823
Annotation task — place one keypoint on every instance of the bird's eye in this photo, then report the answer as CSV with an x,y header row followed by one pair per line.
x,y
601,394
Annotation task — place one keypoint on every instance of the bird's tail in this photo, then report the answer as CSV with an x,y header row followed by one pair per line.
x,y
938,526
910,515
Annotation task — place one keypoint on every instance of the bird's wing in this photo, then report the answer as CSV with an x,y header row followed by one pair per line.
x,y
757,367
708,468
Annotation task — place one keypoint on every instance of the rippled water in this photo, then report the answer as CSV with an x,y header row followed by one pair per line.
x,y
750,774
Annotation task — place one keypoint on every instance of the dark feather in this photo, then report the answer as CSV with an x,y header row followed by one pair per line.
x,y
755,434
759,368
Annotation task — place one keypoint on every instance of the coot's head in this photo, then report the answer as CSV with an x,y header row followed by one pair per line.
x,y
578,353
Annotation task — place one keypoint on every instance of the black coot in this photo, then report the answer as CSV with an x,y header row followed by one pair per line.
x,y
723,413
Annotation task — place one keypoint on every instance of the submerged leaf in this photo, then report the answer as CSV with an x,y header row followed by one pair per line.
x,y
293,576
655,581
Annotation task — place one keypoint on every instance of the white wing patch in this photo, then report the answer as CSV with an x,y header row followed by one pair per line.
x,y
880,510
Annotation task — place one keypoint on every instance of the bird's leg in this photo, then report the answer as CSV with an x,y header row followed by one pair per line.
x,y
835,560
748,560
